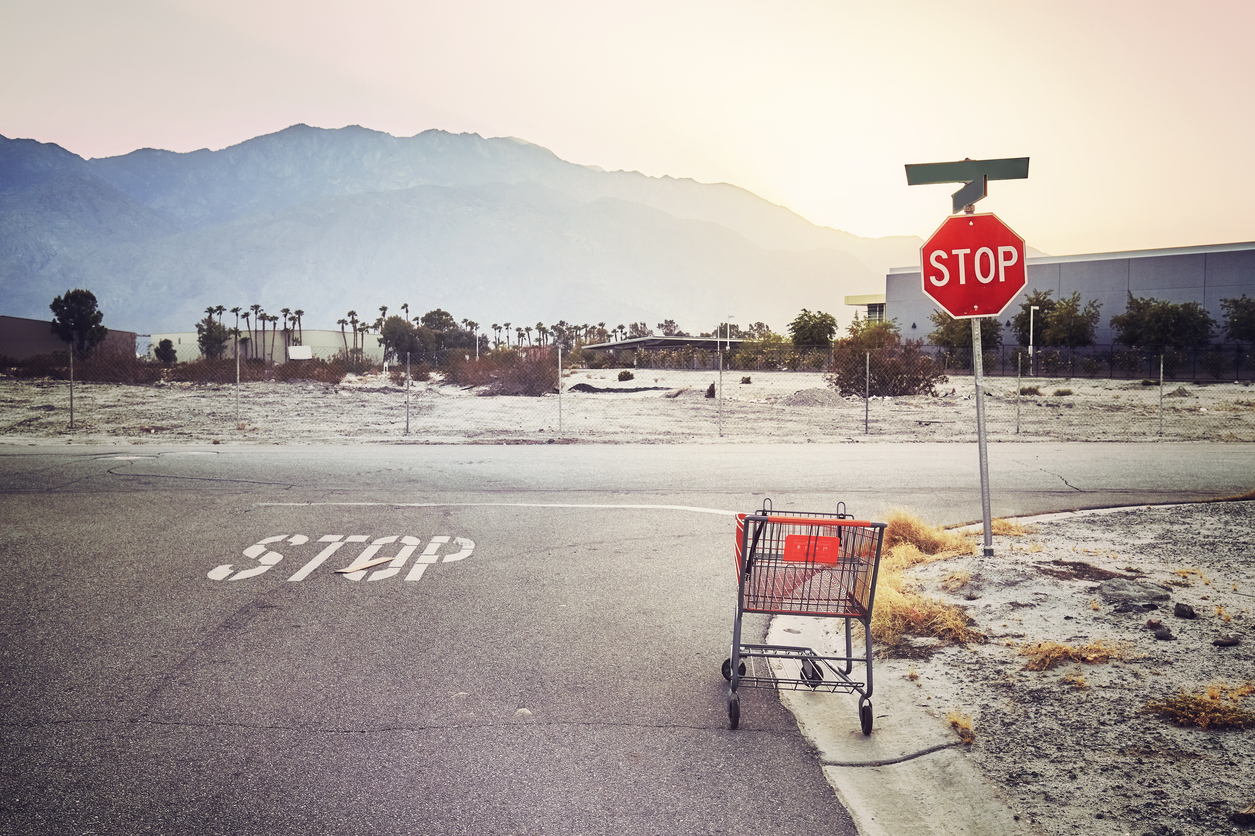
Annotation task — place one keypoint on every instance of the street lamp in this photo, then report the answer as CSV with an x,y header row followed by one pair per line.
x,y
1031,309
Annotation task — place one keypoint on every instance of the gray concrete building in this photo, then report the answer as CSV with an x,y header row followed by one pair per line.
x,y
1184,274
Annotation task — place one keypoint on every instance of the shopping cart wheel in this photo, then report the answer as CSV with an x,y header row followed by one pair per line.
x,y
727,669
865,716
734,709
812,673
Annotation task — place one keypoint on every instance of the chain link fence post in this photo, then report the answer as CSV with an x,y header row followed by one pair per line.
x,y
1161,394
867,396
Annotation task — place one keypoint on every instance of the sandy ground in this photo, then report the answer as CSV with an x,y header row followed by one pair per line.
x,y
1074,749
656,407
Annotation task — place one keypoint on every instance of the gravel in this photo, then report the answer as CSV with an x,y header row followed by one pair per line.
x,y
1074,748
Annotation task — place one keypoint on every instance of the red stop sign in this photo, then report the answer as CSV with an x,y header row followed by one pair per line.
x,y
973,266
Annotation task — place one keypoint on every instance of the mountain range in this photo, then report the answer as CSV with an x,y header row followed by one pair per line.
x,y
491,230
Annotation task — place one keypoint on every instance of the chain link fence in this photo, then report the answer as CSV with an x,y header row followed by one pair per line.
x,y
898,393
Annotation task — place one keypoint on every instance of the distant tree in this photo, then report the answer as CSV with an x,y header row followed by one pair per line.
x,y
399,337
952,333
166,353
1021,322
76,320
1155,324
639,329
212,337
813,329
668,328
1070,325
894,367
441,320
758,331
866,335
1239,319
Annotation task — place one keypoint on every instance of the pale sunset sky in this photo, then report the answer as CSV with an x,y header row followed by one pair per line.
x,y
1138,117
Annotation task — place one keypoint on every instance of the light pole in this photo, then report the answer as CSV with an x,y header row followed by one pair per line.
x,y
1031,310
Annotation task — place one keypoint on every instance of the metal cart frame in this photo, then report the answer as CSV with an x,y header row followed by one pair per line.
x,y
817,564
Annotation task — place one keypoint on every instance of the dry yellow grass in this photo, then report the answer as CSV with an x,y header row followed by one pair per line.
x,y
1010,528
903,527
1044,656
962,725
1218,707
954,581
901,611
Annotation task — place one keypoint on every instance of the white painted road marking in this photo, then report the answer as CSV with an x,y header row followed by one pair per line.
x,y
360,566
264,556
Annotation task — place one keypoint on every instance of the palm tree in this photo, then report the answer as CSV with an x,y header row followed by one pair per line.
x,y
300,327
342,323
352,315
287,314
256,309
220,310
236,310
528,331
383,312
497,332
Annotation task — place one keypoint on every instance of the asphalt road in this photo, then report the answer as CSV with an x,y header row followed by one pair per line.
x,y
537,652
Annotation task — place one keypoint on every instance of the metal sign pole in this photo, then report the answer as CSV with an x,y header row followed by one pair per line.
x,y
407,393
978,363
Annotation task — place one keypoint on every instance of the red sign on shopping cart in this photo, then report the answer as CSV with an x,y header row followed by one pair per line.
x,y
804,548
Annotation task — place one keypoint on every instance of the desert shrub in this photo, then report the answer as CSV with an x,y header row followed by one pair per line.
x,y
710,391
417,372
894,370
1216,363
1049,362
1218,707
1130,363
745,380
506,372
204,370
117,367
317,369
626,375
1062,393
1090,366
355,362
1030,390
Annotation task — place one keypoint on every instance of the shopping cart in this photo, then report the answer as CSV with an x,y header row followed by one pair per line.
x,y
817,564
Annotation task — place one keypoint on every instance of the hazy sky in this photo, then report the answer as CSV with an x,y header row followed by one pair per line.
x,y
1139,117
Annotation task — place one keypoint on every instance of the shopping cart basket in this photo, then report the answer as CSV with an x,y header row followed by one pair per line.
x,y
817,564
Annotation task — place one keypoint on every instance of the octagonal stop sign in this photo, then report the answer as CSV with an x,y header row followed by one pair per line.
x,y
973,266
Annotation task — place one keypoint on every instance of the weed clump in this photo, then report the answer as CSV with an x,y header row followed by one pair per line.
x,y
904,528
1010,528
1218,707
1030,390
901,611
1044,656
962,725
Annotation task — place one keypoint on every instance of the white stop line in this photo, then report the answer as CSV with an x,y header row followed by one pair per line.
x,y
376,556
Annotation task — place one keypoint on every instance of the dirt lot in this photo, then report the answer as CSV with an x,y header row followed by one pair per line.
x,y
1074,747
655,407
